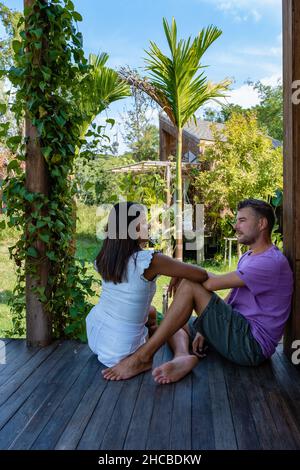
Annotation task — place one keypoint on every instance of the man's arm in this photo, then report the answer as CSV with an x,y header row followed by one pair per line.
x,y
223,281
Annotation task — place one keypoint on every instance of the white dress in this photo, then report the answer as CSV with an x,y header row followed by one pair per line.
x,y
116,325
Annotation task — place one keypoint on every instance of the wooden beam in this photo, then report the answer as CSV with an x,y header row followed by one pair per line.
x,y
38,323
291,204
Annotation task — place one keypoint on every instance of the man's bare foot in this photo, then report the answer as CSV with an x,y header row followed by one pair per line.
x,y
174,370
127,368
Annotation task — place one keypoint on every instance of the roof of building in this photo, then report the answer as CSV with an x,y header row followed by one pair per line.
x,y
202,130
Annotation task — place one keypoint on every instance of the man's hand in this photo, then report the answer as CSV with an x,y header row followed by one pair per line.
x,y
173,285
198,345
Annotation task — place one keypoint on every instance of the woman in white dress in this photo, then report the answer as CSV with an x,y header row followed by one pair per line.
x,y
116,326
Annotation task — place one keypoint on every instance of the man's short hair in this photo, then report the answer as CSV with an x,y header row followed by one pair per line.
x,y
262,209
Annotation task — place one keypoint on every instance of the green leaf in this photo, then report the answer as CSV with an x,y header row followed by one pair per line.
x,y
3,108
37,32
88,185
16,45
56,158
13,142
70,5
2,224
46,73
45,237
77,16
13,165
29,197
51,255
46,151
32,252
60,121
111,121
41,223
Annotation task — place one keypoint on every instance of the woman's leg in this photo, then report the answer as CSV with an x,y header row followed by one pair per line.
x,y
189,296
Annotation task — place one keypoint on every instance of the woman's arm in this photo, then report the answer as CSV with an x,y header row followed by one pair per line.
x,y
167,266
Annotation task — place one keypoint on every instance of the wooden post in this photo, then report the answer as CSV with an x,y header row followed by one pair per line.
x,y
38,323
230,252
169,249
291,203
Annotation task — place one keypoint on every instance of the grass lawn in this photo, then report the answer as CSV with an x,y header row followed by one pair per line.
x,y
87,249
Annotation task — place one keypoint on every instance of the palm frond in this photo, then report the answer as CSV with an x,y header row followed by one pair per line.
x,y
177,78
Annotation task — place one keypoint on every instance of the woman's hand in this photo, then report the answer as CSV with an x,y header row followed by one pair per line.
x,y
173,285
198,345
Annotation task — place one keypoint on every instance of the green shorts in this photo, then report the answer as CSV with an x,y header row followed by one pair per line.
x,y
228,332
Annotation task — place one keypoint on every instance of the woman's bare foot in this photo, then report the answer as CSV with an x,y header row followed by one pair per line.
x,y
127,368
174,370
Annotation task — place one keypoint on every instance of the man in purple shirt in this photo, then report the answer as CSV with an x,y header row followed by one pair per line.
x,y
245,327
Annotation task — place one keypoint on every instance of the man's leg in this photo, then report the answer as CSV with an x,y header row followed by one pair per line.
x,y
152,322
182,363
189,296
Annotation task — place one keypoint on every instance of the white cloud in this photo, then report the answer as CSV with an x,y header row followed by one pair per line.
x,y
245,96
272,80
245,10
263,51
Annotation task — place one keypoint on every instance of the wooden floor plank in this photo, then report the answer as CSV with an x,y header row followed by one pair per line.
x,y
75,428
17,362
95,430
221,411
19,377
44,373
56,397
161,419
44,430
13,358
203,436
115,434
14,429
244,425
137,434
269,437
279,404
181,425
4,342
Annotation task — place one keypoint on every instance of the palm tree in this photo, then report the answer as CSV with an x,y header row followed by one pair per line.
x,y
102,87
174,83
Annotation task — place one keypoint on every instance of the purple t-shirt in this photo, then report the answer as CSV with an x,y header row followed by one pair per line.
x,y
265,300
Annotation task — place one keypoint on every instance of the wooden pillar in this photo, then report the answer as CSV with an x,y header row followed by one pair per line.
x,y
291,203
38,324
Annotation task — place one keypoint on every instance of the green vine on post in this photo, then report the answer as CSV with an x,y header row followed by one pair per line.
x,y
48,94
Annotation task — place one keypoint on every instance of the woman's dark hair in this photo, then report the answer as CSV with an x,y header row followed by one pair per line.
x,y
119,244
262,209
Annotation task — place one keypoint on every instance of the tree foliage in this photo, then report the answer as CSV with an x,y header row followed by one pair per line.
x,y
269,111
243,165
10,20
48,93
140,135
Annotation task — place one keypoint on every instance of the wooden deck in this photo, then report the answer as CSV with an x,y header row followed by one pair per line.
x,y
56,398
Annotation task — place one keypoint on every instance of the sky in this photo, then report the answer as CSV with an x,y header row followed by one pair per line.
x,y
250,46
